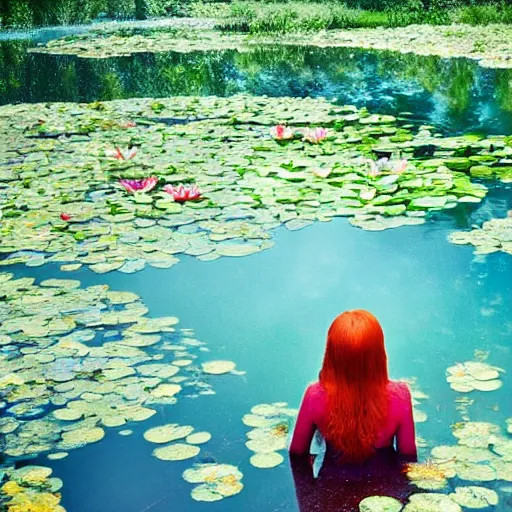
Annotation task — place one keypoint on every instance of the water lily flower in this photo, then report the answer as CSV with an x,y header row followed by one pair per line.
x,y
144,185
130,124
281,132
386,164
399,166
65,216
183,193
315,135
376,167
120,154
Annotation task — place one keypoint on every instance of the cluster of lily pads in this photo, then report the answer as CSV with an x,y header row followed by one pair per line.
x,y
174,432
271,424
489,45
483,454
494,235
470,497
418,397
74,361
474,375
217,481
62,201
30,489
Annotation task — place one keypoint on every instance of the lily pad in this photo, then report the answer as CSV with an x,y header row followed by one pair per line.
x,y
266,460
198,438
167,433
380,504
218,367
174,452
474,497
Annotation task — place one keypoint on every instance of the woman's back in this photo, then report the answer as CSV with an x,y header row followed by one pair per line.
x,y
399,423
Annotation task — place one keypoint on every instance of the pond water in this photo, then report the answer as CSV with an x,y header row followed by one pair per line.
x,y
269,312
456,96
438,302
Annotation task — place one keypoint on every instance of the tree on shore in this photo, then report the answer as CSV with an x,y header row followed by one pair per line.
x,y
142,9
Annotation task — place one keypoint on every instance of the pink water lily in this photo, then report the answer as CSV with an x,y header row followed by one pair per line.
x,y
119,154
281,132
315,135
144,185
183,193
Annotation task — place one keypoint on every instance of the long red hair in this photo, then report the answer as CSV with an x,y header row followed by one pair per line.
x,y
355,376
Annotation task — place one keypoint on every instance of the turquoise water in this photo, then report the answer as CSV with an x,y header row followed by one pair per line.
x,y
457,96
269,312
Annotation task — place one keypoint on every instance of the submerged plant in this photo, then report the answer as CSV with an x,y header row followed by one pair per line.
x,y
119,154
144,185
183,193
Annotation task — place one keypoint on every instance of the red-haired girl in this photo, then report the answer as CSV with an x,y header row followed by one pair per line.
x,y
354,405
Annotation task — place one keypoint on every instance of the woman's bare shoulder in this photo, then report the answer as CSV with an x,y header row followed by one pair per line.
x,y
399,390
315,389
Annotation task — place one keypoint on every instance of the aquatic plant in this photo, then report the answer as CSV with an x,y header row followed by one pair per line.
x,y
64,364
396,166
489,45
31,489
218,367
376,167
380,504
112,230
322,172
475,497
183,193
315,135
494,235
145,185
271,425
474,375
121,154
281,132
218,481
427,475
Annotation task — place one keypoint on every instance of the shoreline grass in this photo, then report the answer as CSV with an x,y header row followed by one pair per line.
x,y
257,17
264,16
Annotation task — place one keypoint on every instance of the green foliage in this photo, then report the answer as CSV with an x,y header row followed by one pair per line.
x,y
16,14
263,15
298,17
484,14
142,9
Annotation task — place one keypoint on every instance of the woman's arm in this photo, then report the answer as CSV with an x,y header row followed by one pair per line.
x,y
304,427
405,435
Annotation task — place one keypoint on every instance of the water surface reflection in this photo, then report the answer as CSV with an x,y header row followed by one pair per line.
x,y
454,95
